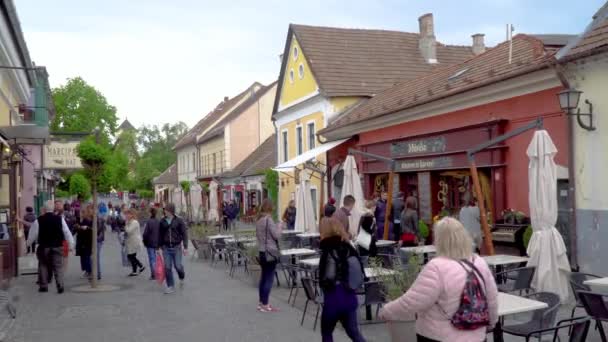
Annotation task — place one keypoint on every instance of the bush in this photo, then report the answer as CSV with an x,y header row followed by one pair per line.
x,y
91,153
145,193
528,236
61,194
423,228
80,186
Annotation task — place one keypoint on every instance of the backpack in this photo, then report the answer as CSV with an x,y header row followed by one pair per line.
x,y
335,271
473,311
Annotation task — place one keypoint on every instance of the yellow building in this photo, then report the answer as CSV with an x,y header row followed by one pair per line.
x,y
325,71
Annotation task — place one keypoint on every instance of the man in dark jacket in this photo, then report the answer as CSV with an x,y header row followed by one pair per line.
x,y
398,206
151,239
173,233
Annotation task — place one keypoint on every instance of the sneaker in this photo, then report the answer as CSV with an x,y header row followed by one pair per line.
x,y
182,282
85,275
272,308
141,269
169,290
133,274
262,308
43,289
60,290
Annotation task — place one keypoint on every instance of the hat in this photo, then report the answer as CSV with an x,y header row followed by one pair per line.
x,y
332,201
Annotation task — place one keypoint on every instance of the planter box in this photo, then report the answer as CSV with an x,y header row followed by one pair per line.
x,y
402,331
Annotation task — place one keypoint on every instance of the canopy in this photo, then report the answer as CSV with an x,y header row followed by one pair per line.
x,y
213,214
308,155
305,214
352,186
546,249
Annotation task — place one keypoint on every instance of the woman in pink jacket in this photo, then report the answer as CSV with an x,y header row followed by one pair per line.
x,y
435,295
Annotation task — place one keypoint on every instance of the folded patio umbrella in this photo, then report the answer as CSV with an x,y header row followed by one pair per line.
x,y
305,215
352,186
546,249
213,214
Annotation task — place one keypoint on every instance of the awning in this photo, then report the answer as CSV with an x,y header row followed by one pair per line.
x,y
25,134
308,155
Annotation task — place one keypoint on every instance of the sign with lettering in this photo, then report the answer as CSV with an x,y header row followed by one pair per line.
x,y
425,164
424,196
430,145
61,155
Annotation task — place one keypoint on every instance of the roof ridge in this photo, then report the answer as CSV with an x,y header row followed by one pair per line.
x,y
352,28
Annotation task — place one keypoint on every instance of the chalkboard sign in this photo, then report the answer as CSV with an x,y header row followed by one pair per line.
x,y
424,196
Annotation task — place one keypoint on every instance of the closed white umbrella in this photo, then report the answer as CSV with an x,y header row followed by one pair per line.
x,y
546,249
213,214
305,215
196,201
351,185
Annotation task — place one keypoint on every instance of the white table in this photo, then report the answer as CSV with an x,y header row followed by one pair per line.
x,y
500,259
599,282
298,251
288,232
375,272
309,235
509,304
385,243
243,240
420,249
312,262
219,236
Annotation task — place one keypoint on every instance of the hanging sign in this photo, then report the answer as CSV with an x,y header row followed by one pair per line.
x,y
61,155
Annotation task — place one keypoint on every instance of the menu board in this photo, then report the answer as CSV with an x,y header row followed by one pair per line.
x,y
424,196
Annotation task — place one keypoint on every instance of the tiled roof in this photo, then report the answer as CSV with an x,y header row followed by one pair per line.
x,y
529,54
169,176
362,62
126,125
593,40
558,40
209,119
262,158
219,127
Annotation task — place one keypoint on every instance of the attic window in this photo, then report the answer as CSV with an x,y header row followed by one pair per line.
x,y
296,53
291,75
301,71
457,74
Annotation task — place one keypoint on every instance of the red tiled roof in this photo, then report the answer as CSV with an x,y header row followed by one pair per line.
x,y
489,67
594,39
169,176
209,119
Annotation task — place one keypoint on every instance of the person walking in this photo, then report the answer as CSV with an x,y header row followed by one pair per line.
x,y
342,214
173,234
84,241
471,220
366,241
380,214
289,215
233,213
27,221
268,234
340,301
101,237
398,206
436,294
133,242
151,239
330,207
410,235
49,231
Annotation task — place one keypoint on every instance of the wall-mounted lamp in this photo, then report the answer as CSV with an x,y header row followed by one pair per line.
x,y
568,101
282,183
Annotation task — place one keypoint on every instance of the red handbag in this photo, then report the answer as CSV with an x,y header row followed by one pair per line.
x,y
408,238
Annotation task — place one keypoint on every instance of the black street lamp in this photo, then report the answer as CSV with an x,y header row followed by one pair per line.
x,y
568,101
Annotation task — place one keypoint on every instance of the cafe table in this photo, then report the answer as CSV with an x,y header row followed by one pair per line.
x,y
375,272
509,304
424,250
498,261
219,236
597,282
310,263
385,243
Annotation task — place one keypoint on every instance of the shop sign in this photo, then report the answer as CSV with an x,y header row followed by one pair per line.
x,y
425,164
61,155
430,145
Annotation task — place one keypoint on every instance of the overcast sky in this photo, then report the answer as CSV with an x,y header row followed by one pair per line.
x,y
161,61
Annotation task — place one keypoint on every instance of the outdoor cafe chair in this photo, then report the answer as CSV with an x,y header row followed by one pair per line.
x,y
578,327
522,280
312,295
373,295
218,251
595,306
540,320
577,283
237,259
294,274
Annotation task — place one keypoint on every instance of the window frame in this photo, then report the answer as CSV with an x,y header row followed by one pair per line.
x,y
312,139
285,144
299,139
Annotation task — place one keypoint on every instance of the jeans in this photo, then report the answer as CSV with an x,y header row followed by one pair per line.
x,y
99,245
266,278
85,263
173,258
340,305
135,263
152,260
50,261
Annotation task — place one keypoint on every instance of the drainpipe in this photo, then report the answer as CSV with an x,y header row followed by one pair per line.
x,y
559,70
276,133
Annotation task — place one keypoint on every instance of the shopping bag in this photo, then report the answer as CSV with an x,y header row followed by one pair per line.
x,y
125,259
159,271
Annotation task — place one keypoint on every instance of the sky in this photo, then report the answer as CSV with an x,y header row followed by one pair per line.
x,y
163,61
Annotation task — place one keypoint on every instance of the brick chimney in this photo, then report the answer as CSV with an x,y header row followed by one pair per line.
x,y
479,46
427,43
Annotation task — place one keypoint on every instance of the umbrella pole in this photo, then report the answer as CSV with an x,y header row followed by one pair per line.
x,y
487,235
389,204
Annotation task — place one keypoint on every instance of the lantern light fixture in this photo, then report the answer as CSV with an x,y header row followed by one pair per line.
x,y
568,102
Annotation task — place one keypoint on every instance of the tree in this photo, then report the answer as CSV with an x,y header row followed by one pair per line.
x,y
186,190
79,186
81,108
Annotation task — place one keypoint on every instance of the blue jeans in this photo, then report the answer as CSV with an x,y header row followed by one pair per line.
x,y
173,258
99,245
85,263
266,278
152,260
340,305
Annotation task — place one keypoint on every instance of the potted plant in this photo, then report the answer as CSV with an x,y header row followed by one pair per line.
x,y
394,286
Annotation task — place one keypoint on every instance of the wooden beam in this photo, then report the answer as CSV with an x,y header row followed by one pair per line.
x,y
389,204
487,234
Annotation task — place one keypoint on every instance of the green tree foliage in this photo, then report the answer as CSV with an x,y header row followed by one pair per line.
x,y
80,186
272,185
81,108
145,193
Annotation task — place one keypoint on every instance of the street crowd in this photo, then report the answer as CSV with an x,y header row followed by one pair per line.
x,y
67,227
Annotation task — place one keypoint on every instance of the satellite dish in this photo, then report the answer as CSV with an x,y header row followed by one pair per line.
x,y
339,178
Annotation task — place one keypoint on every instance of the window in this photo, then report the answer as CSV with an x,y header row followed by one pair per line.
x,y
296,53
285,151
214,163
193,161
291,76
301,71
300,142
311,135
187,168
315,208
